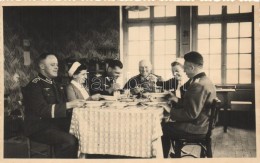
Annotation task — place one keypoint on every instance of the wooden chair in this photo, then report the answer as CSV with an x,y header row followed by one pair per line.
x,y
203,140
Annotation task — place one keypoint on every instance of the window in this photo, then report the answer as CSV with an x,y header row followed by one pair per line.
x,y
152,36
225,39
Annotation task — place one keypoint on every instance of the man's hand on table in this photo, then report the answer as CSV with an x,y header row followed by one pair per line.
x,y
78,103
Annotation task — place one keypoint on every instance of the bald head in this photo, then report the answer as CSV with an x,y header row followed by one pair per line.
x,y
145,67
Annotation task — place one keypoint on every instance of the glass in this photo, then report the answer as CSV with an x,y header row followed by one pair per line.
x,y
246,29
159,32
215,61
170,32
232,76
159,11
133,14
203,10
133,33
215,46
203,31
206,61
232,9
245,8
215,30
215,75
215,10
170,46
232,45
144,47
145,13
245,76
232,61
245,61
144,33
133,47
159,62
245,45
203,46
232,30
170,10
159,47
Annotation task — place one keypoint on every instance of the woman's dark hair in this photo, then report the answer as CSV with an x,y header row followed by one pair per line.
x,y
175,63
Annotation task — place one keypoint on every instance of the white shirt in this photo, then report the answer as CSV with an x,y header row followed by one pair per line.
x,y
81,88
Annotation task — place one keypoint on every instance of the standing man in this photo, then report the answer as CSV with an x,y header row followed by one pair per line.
x,y
47,114
190,113
145,81
106,84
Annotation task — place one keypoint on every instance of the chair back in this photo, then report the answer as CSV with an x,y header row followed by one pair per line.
x,y
214,111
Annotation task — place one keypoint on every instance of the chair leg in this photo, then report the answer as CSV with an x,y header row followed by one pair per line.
x,y
177,149
29,147
209,150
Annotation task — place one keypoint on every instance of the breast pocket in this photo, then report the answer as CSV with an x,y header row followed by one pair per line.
x,y
49,95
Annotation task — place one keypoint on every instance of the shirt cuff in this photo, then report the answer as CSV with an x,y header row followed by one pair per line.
x,y
52,110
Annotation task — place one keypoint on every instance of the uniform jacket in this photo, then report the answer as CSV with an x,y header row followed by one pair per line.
x,y
169,84
45,104
144,83
73,92
191,113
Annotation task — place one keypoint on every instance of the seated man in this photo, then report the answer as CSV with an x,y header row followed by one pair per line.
x,y
47,118
106,84
145,81
189,113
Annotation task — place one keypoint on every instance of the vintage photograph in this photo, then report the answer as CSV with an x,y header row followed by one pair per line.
x,y
106,82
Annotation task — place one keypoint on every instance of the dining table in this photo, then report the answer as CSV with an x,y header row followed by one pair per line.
x,y
131,129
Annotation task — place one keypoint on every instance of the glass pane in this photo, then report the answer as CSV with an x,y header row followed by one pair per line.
x,y
232,9
245,8
215,10
133,14
245,45
203,10
215,61
215,76
160,73
206,71
170,10
170,32
144,33
159,33
206,61
159,62
232,45
168,60
232,76
215,46
232,61
232,30
145,13
203,31
133,47
203,46
170,47
245,76
215,30
245,61
133,61
144,47
159,11
245,29
133,33
131,73
159,47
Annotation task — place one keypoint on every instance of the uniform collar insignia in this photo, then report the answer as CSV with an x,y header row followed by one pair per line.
x,y
45,79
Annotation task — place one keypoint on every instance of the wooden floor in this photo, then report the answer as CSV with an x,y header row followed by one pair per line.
x,y
236,143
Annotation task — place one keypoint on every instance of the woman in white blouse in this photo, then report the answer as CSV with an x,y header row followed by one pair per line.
x,y
76,88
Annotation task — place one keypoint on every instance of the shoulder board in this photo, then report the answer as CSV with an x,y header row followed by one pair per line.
x,y
197,80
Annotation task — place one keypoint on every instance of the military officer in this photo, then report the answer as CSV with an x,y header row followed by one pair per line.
x,y
189,114
47,114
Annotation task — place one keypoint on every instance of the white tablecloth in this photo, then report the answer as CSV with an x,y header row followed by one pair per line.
x,y
126,131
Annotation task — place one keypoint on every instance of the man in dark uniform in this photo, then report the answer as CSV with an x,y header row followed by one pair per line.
x,y
47,116
145,81
106,84
189,114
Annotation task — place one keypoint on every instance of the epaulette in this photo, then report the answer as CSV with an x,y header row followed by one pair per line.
x,y
197,80
35,80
